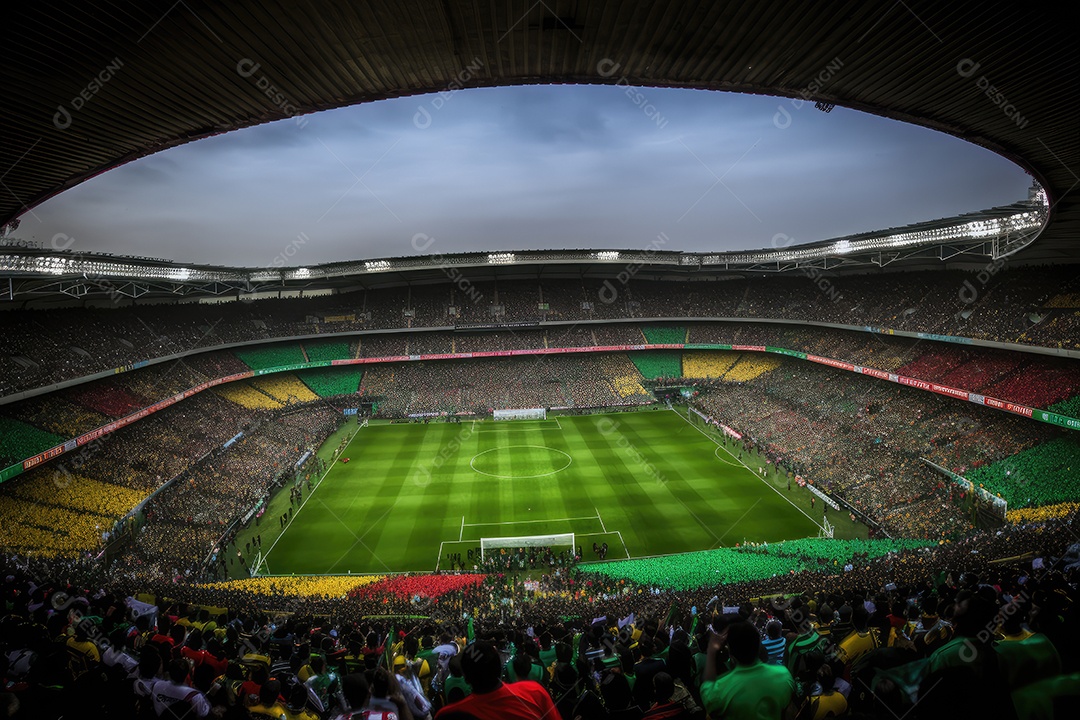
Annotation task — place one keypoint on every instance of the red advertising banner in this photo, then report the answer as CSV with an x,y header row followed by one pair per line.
x,y
950,391
831,363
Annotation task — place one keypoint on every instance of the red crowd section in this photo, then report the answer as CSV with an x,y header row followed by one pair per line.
x,y
428,586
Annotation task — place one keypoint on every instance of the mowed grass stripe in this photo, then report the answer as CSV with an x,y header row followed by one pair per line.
x,y
656,520
407,487
425,500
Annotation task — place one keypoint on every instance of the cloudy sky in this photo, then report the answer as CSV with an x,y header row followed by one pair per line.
x,y
529,167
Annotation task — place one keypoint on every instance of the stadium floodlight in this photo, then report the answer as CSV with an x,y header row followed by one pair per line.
x,y
376,265
503,258
606,255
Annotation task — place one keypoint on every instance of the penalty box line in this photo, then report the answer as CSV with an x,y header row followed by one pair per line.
x,y
526,522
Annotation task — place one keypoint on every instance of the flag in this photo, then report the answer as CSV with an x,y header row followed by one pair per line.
x,y
628,620
389,650
470,632
670,616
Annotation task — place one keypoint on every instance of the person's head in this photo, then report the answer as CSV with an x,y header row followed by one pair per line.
x,y
298,697
615,689
743,642
203,677
195,639
355,688
412,645
663,687
860,617
482,666
178,671
565,677
260,674
149,662
380,683
773,629
522,666
268,693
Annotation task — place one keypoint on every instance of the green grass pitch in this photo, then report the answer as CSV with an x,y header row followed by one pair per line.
x,y
647,483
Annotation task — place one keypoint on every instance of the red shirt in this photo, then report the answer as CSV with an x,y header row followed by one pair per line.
x,y
525,700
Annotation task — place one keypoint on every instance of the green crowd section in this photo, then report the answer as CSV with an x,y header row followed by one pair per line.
x,y
689,571
664,335
19,441
332,381
659,364
327,350
274,356
1043,475
1068,407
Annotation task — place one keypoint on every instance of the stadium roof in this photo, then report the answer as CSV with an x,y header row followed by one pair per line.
x,y
965,240
91,85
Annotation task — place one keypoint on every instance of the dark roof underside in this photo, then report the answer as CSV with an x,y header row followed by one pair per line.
x,y
89,85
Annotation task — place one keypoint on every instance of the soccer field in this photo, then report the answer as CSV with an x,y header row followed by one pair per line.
x,y
646,483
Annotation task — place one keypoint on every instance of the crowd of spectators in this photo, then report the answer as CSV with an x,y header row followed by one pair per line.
x,y
72,505
850,629
1042,475
863,440
18,441
48,346
479,385
184,522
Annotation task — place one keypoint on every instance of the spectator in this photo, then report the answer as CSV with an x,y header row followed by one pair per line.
x,y
493,700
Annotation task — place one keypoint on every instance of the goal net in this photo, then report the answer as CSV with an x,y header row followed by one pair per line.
x,y
525,541
520,414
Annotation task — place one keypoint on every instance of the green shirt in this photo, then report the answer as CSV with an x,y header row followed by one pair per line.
x,y
1026,661
458,683
749,692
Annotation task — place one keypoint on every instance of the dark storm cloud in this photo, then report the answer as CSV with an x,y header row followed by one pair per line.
x,y
529,167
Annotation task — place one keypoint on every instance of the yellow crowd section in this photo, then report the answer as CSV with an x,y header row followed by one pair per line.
x,y
328,586
750,366
285,387
79,493
708,364
246,396
1039,514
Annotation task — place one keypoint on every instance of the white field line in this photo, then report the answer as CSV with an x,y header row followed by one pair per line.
x,y
310,495
526,522
751,471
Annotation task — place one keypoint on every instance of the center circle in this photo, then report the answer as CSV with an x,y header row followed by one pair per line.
x,y
535,461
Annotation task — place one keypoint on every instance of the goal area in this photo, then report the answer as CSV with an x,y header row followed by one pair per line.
x,y
525,541
520,414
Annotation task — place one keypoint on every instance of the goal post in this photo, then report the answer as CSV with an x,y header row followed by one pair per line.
x,y
524,541
519,414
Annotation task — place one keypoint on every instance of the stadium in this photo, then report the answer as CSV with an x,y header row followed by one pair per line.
x,y
631,475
